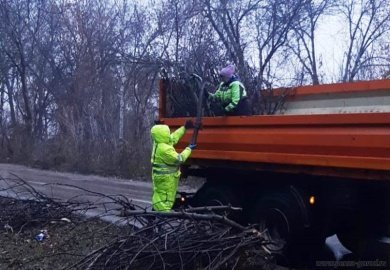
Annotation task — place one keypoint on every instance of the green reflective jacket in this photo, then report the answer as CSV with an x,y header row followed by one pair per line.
x,y
166,165
229,95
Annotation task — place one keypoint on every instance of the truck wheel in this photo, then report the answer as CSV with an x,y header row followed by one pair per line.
x,y
217,195
278,217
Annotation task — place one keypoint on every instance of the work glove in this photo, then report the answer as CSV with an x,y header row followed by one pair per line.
x,y
228,109
188,124
192,146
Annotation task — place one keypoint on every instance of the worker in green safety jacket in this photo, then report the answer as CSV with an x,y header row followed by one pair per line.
x,y
166,164
231,93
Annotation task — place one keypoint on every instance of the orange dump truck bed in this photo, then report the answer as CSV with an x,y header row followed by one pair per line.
x,y
355,143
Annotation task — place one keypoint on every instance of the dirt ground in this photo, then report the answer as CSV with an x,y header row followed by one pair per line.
x,y
67,237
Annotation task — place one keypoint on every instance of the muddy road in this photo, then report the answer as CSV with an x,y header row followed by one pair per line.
x,y
60,185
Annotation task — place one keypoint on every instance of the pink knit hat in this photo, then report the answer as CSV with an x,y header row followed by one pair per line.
x,y
227,71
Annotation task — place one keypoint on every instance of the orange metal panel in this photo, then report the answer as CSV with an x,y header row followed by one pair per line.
x,y
298,159
360,141
338,88
285,120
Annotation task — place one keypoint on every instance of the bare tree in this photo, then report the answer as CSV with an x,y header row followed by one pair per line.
x,y
23,31
228,18
18,48
368,21
277,20
304,46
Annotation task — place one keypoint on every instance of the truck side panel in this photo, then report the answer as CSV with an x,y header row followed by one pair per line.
x,y
358,141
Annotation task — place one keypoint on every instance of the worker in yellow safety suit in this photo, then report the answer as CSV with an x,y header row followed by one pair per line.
x,y
166,164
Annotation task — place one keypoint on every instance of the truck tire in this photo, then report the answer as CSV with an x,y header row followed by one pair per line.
x,y
280,219
217,195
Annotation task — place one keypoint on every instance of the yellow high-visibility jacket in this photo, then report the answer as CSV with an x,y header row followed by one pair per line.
x,y
166,166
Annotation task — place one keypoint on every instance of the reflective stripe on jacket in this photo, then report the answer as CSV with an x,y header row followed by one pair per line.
x,y
166,166
229,94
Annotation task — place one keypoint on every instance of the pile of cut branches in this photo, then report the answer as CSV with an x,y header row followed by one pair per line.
x,y
22,207
182,96
135,238
180,240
